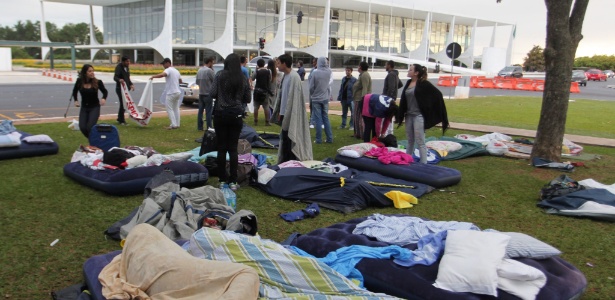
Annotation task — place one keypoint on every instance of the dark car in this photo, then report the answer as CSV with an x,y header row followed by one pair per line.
x,y
579,76
511,71
595,75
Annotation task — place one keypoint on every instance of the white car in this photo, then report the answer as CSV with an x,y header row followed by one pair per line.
x,y
191,89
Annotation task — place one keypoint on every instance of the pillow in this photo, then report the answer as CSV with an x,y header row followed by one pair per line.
x,y
357,149
39,138
349,153
470,262
523,245
10,140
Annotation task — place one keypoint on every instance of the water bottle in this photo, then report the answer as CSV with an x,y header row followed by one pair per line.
x,y
229,195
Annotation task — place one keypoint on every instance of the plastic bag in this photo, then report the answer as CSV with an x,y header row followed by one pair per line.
x,y
497,148
74,125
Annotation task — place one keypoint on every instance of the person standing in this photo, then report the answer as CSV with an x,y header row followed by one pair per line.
x,y
301,70
231,91
345,97
391,81
423,107
362,87
290,104
122,74
246,72
314,67
262,75
273,85
205,79
88,86
171,91
320,94
378,112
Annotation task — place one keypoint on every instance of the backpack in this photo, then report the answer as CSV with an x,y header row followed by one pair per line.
x,y
559,186
243,147
104,136
208,144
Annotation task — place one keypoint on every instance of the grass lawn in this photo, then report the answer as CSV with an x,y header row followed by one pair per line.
x,y
39,204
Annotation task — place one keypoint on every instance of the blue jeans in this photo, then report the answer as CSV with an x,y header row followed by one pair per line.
x,y
346,107
320,115
205,103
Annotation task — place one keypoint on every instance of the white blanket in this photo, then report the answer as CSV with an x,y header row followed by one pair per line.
x,y
142,112
520,279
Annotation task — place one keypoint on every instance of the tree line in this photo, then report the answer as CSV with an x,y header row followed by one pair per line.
x,y
535,61
79,34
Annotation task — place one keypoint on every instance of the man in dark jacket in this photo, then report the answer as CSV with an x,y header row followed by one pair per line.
x,y
391,81
122,74
345,96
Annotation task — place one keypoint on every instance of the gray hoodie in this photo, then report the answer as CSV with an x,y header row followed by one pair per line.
x,y
319,82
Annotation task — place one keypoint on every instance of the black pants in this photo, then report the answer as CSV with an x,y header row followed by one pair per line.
x,y
120,112
369,128
287,148
88,116
227,135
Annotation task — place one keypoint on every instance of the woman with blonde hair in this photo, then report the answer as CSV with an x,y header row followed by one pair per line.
x,y
88,86
423,107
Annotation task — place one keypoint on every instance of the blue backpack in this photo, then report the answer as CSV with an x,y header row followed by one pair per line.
x,y
104,136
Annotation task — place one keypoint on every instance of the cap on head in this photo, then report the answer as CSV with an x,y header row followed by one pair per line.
x,y
166,60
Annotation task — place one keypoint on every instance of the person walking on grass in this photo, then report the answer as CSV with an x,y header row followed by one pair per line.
x,y
320,94
231,91
261,90
171,91
122,75
290,109
362,87
423,107
87,85
205,79
345,98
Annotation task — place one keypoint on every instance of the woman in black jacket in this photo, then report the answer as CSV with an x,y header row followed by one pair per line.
x,y
423,107
231,90
88,86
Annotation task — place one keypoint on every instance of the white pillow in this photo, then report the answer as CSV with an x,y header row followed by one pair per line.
x,y
470,262
39,138
523,245
10,140
349,153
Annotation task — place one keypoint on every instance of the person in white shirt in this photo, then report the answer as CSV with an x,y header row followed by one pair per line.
x,y
171,90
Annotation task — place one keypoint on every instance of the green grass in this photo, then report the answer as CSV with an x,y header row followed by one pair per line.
x,y
39,204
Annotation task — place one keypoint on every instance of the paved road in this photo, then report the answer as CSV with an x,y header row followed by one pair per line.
x,y
29,95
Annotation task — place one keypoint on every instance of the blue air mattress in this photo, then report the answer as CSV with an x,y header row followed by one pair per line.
x,y
435,176
28,149
564,281
133,181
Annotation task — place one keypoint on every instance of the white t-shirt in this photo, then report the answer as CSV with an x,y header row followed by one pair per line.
x,y
172,84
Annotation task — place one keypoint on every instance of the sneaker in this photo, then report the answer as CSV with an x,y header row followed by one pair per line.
x,y
341,127
233,186
311,126
323,126
351,128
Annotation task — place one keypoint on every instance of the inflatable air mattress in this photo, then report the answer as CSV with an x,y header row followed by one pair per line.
x,y
133,181
435,176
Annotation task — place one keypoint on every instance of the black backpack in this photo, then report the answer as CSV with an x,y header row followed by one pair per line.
x,y
208,144
559,186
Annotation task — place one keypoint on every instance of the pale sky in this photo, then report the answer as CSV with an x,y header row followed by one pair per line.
x,y
529,15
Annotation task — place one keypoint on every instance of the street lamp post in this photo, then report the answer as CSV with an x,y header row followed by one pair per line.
x,y
261,40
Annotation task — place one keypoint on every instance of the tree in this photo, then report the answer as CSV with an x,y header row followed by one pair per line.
x,y
535,60
564,25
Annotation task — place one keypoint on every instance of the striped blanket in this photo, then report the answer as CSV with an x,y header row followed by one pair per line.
x,y
283,274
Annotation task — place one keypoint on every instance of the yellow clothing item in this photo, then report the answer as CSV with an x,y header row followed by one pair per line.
x,y
401,199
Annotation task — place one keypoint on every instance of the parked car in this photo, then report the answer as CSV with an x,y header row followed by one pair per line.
x,y
609,73
595,75
191,89
579,76
511,71
252,62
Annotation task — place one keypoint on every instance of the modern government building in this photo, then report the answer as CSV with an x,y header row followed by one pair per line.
x,y
346,31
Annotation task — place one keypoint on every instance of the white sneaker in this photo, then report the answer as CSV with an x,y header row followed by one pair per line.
x,y
323,126
311,126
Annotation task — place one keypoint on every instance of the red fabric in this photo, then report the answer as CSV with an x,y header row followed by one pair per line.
x,y
376,142
390,157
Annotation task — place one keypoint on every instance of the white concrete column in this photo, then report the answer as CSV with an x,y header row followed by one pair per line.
x,y
224,44
163,42
321,48
93,40
467,57
422,52
509,49
197,55
44,37
277,46
495,28
136,57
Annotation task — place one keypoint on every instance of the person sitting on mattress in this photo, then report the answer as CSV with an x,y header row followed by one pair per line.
x,y
423,106
376,109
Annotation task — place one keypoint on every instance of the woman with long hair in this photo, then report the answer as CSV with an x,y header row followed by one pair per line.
x,y
231,90
88,86
423,107
273,85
